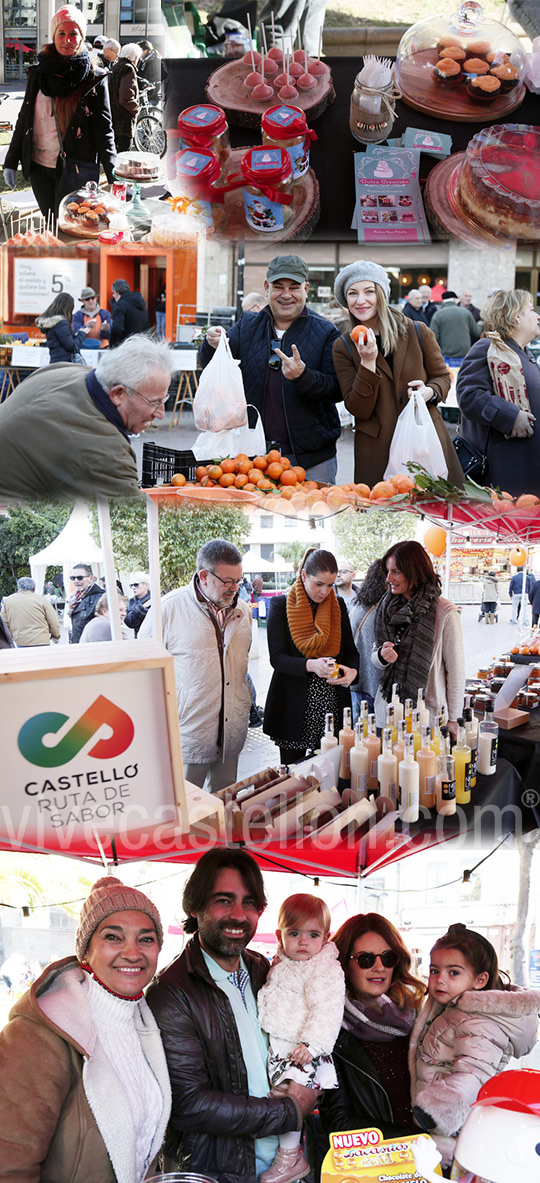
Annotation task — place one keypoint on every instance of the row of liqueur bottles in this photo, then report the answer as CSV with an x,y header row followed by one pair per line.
x,y
416,768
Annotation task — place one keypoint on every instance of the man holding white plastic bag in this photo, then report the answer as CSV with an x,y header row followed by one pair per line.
x,y
285,354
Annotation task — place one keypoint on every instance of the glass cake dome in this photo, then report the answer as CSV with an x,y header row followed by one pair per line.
x,y
88,211
455,66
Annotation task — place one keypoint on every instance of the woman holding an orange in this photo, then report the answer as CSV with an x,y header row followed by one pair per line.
x,y
392,357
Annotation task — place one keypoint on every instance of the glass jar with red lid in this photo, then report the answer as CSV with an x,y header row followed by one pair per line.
x,y
268,189
197,172
205,126
286,127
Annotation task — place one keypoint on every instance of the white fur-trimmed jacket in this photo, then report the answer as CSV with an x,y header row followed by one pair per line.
x,y
455,1048
303,1001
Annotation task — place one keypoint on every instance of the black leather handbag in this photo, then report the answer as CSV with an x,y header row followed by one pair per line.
x,y
473,462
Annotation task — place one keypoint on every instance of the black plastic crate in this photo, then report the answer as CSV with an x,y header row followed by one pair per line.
x,y
160,464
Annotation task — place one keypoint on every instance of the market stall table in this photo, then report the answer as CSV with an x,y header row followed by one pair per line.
x,y
332,152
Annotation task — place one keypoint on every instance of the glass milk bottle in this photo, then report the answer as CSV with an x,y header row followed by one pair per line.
x,y
387,768
445,785
373,745
471,734
346,739
390,722
399,746
409,783
422,708
462,756
488,734
328,740
397,704
415,730
359,759
427,763
408,714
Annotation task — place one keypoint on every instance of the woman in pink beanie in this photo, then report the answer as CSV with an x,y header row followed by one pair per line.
x,y
64,130
84,1088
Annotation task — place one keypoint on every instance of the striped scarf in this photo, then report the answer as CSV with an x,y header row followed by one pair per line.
x,y
410,624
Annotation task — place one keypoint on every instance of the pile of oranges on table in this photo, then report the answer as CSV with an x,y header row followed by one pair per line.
x,y
277,480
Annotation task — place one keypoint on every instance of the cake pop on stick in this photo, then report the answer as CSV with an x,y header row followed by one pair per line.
x,y
251,57
298,55
288,91
262,92
275,53
316,67
271,67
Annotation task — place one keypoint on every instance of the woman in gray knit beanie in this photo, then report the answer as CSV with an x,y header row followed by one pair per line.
x,y
84,1086
393,357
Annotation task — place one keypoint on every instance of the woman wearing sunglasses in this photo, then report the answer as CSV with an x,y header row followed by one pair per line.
x,y
370,1056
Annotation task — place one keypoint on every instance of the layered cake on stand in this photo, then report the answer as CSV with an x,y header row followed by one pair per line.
x,y
499,181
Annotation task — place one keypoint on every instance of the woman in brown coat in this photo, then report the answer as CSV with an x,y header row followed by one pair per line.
x,y
377,376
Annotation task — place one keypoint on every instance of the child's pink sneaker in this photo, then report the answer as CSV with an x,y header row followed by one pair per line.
x,y
287,1166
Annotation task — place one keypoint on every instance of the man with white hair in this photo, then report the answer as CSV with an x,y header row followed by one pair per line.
x,y
109,52
429,307
124,94
64,432
253,302
31,619
413,307
139,602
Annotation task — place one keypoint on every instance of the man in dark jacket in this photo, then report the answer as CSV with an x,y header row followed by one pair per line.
x,y
139,603
515,590
223,1123
82,605
129,312
413,307
455,329
285,354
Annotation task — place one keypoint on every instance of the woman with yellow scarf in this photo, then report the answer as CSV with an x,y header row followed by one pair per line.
x,y
308,632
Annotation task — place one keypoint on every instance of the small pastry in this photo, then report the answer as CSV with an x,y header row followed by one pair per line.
x,y
507,74
447,71
483,89
472,67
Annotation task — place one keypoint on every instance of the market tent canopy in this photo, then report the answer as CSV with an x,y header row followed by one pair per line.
x,y
74,544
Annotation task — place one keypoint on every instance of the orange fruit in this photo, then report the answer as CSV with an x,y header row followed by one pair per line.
x,y
402,483
300,472
307,485
381,491
527,501
288,477
241,480
254,475
250,487
243,466
515,649
285,462
201,471
273,456
215,471
525,650
241,456
228,465
359,333
227,479
265,486
274,470
260,462
178,479
207,482
287,492
363,490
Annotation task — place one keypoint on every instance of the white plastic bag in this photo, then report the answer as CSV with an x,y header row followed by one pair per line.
x,y
220,402
250,440
415,438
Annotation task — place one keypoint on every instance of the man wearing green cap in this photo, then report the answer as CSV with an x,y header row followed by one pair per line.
x,y
285,353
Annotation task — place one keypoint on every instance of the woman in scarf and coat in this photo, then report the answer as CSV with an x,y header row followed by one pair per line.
x,y
371,1054
498,391
308,632
64,129
56,323
84,1087
418,637
379,375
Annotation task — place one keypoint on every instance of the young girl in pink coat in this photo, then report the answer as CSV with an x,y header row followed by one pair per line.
x,y
470,1026
301,1008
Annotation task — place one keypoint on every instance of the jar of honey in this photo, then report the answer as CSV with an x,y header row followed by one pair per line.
x,y
205,126
268,189
197,173
286,127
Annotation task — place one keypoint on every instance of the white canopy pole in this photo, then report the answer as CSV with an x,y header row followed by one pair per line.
x,y
152,522
104,521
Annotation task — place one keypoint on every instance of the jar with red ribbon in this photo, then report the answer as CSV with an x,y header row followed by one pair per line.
x,y
197,173
268,189
286,127
205,126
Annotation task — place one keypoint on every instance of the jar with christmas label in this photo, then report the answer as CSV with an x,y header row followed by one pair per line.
x,y
268,189
196,181
205,126
286,127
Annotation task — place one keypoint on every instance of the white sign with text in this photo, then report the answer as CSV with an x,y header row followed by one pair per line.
x,y
38,281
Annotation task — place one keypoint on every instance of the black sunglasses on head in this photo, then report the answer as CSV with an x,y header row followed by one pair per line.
x,y
274,362
367,960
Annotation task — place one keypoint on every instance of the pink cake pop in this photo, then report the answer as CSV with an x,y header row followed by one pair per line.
x,y
296,69
251,57
271,66
262,92
275,53
299,54
288,91
316,67
253,79
306,81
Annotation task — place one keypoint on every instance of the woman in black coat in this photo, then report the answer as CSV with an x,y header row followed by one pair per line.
x,y
55,322
503,427
308,632
64,128
371,1054
124,95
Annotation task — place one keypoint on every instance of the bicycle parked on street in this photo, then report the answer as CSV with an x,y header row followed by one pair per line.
x,y
149,134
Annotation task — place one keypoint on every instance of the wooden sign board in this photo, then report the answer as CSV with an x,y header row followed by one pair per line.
x,y
91,745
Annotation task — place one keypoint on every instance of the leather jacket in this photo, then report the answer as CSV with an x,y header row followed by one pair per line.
x,y
361,1099
84,611
214,1121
